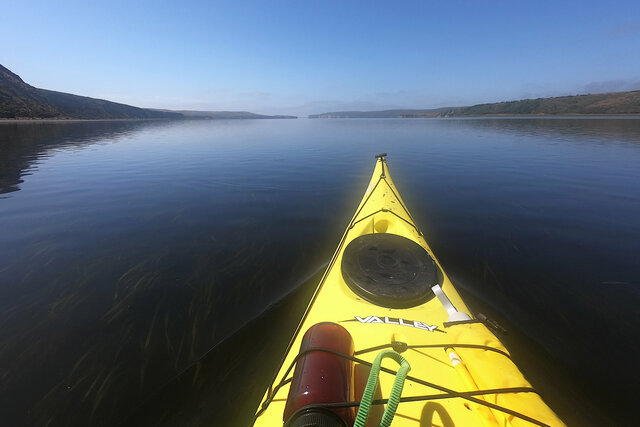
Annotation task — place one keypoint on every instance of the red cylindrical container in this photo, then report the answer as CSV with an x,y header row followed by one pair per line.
x,y
321,377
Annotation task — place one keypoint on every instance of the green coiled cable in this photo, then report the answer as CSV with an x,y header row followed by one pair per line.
x,y
372,382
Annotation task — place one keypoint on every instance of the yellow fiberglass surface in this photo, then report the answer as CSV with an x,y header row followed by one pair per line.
x,y
461,374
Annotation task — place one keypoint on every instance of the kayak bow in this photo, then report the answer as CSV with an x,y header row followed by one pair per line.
x,y
384,290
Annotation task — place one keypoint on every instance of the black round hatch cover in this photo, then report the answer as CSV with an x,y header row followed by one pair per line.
x,y
389,270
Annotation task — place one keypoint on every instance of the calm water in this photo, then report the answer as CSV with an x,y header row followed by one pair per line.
x,y
129,251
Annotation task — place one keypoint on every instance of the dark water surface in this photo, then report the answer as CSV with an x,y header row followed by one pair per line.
x,y
129,251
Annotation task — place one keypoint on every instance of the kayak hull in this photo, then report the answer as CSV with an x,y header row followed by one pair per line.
x,y
449,352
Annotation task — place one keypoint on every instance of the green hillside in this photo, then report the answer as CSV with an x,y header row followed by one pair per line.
x,y
21,100
614,103
592,104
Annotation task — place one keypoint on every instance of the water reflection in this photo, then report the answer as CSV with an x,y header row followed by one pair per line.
x,y
23,144
117,276
585,130
136,247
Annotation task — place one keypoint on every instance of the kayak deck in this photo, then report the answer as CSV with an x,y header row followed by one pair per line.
x,y
483,388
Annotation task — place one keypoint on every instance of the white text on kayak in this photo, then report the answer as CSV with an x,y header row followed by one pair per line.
x,y
396,321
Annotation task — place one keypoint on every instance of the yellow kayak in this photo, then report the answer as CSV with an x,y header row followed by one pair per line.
x,y
387,339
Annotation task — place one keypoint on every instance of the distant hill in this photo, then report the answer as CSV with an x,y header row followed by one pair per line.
x,y
21,100
190,114
613,103
594,104
435,112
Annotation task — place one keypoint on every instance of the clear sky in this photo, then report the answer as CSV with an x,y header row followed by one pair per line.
x,y
303,57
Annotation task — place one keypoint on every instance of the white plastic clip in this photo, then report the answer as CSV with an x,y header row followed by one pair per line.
x,y
454,315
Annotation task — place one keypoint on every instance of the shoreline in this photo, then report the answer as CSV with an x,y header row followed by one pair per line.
x,y
28,120
172,119
504,116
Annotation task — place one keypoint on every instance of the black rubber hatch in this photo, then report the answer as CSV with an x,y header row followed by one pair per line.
x,y
389,270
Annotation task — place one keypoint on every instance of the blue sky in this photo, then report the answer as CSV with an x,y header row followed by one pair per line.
x,y
303,57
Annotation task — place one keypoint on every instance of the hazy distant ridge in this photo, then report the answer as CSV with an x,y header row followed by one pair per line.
x,y
19,100
434,112
192,114
593,104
